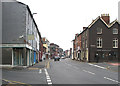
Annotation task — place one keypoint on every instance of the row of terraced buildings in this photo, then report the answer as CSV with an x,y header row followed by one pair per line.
x,y
99,42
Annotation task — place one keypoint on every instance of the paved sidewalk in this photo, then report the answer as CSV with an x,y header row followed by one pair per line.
x,y
40,65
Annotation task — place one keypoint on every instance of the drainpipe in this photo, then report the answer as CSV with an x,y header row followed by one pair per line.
x,y
12,58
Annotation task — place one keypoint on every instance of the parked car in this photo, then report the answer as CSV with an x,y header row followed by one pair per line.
x,y
63,57
56,58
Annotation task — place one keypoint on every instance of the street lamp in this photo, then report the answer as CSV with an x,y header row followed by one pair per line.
x,y
32,41
34,13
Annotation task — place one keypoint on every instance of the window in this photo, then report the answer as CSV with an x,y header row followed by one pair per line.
x,y
99,42
115,43
99,30
115,31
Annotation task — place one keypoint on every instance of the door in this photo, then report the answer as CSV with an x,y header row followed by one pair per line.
x,y
34,57
16,57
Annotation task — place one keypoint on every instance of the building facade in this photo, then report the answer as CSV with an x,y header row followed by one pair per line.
x,y
100,40
53,50
77,47
46,44
21,37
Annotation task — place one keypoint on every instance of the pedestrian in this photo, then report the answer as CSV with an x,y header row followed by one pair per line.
x,y
97,57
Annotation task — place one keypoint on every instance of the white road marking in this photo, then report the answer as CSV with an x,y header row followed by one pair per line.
x,y
89,72
48,80
50,83
111,79
72,66
97,66
69,64
45,70
40,71
48,77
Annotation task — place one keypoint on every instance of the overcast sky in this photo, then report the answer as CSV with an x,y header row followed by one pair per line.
x,y
60,20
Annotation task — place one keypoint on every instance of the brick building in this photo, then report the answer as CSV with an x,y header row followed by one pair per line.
x,y
77,47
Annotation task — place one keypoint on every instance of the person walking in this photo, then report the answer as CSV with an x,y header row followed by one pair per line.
x,y
97,57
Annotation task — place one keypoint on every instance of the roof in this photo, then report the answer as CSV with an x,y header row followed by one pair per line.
x,y
94,21
108,25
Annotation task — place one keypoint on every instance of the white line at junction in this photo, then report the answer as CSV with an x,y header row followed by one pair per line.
x,y
89,72
97,66
111,79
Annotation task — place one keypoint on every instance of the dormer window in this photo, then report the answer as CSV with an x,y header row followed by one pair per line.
x,y
99,30
115,31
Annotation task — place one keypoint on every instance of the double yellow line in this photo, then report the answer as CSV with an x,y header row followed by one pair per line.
x,y
15,82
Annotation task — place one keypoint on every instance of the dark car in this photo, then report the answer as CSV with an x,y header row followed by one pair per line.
x,y
56,58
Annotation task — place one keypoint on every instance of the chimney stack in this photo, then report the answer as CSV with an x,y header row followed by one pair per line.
x,y
106,18
84,28
76,34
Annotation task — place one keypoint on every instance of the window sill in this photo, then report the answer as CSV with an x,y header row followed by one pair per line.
x,y
115,34
115,47
99,47
99,33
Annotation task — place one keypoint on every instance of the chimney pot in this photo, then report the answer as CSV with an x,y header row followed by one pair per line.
x,y
84,28
106,18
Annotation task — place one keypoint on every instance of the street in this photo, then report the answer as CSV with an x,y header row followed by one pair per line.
x,y
56,42
65,71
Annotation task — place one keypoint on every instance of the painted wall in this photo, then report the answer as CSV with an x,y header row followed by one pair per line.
x,y
13,22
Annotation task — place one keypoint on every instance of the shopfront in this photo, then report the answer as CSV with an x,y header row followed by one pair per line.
x,y
18,59
107,56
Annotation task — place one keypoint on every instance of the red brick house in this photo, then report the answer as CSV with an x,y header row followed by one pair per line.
x,y
77,47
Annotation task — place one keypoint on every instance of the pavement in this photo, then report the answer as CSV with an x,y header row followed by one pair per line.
x,y
39,65
30,76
